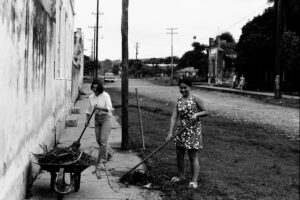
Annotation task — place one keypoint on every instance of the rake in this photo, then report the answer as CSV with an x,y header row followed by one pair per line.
x,y
128,176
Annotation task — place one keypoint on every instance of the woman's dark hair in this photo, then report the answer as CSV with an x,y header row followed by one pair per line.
x,y
186,81
99,84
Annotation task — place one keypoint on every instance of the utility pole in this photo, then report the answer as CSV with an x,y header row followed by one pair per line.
x,y
136,50
124,85
97,27
92,49
172,68
278,77
95,60
94,41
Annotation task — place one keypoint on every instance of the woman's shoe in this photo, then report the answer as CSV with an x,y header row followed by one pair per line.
x,y
193,185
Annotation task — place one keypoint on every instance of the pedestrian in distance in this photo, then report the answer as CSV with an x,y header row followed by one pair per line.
x,y
101,102
233,83
242,82
186,113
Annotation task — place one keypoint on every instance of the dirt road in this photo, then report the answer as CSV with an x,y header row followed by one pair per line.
x,y
278,119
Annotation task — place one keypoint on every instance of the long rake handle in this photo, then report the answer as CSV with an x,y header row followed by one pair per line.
x,y
158,149
86,125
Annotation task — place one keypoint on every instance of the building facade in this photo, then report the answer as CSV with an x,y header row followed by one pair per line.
x,y
220,62
36,85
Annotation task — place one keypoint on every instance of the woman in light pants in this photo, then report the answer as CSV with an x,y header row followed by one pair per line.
x,y
101,102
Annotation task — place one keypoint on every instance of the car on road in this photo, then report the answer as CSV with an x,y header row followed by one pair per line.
x,y
109,77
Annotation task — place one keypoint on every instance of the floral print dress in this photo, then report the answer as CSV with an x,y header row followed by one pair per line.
x,y
191,137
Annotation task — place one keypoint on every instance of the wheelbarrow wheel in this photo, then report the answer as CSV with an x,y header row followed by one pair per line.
x,y
77,182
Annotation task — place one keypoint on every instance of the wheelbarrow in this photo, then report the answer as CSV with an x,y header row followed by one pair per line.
x,y
58,173
74,168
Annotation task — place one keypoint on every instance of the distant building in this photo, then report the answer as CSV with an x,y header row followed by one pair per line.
x,y
221,57
187,72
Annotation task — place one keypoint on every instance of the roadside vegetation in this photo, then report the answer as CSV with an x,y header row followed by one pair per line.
x,y
239,160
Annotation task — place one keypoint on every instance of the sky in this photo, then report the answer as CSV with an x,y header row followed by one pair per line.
x,y
149,20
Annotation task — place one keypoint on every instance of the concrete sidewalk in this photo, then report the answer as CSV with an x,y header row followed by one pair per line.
x,y
101,182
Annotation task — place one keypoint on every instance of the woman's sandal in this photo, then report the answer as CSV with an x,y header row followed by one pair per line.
x,y
193,185
176,179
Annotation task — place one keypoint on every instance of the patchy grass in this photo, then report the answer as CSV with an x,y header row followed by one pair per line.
x,y
239,160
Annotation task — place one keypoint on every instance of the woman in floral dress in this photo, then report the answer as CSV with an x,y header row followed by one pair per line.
x,y
185,116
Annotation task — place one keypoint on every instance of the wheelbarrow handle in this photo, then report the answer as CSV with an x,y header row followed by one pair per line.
x,y
158,149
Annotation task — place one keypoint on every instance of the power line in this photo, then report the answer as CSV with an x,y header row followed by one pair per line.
x,y
237,22
245,17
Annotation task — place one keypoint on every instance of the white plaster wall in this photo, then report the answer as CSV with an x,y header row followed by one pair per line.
x,y
33,101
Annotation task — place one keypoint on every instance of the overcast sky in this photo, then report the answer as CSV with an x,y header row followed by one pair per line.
x,y
149,20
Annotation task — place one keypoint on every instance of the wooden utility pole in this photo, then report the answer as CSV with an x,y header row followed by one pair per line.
x,y
97,30
95,51
94,41
124,86
172,68
278,75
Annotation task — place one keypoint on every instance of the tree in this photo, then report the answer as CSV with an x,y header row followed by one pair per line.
x,y
106,66
291,12
195,58
291,61
116,68
227,37
167,60
89,65
256,51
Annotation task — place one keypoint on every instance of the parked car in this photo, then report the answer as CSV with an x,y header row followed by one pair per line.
x,y
109,77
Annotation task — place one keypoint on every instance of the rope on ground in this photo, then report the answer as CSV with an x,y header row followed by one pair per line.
x,y
108,180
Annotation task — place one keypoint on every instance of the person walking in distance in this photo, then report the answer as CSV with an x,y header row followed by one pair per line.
x,y
233,83
188,108
242,82
101,102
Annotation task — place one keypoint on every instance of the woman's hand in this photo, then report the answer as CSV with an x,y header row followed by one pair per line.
x,y
168,137
99,108
195,116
